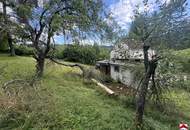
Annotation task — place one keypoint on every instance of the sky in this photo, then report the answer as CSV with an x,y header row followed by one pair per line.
x,y
122,11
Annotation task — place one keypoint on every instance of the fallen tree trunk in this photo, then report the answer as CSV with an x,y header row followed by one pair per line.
x,y
82,68
109,91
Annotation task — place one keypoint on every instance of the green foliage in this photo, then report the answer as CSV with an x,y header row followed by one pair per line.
x,y
78,53
85,54
69,18
150,26
183,60
57,53
24,11
3,43
182,84
23,50
63,101
103,54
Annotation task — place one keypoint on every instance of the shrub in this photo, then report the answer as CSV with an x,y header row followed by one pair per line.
x,y
85,54
104,54
23,50
79,53
3,43
58,52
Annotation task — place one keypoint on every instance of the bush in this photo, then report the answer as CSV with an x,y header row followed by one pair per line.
x,y
23,50
104,54
85,54
58,52
3,43
183,60
79,53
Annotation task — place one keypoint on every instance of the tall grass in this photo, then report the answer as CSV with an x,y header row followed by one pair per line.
x,y
61,101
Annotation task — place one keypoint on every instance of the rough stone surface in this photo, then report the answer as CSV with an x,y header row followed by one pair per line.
x,y
121,56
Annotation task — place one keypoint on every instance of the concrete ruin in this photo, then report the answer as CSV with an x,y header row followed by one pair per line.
x,y
124,58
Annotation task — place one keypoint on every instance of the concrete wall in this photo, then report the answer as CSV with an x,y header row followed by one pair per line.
x,y
124,75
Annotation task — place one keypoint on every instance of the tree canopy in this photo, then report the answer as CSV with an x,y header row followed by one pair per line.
x,y
159,26
77,19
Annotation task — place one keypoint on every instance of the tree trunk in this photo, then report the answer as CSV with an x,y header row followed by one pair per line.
x,y
10,42
142,99
40,65
146,60
143,90
150,67
9,37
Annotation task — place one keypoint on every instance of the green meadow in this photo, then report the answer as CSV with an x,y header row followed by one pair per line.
x,y
61,100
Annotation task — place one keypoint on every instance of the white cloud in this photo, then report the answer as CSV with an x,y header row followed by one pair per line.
x,y
123,10
166,1
9,10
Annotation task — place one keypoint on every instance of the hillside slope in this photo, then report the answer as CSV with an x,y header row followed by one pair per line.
x,y
79,106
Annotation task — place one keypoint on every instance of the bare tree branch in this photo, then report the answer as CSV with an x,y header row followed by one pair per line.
x,y
82,68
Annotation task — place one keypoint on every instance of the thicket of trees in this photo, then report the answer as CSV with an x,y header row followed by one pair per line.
x,y
85,54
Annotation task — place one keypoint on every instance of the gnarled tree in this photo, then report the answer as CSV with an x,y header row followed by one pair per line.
x,y
57,17
149,28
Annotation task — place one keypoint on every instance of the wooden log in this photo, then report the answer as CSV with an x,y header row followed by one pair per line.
x,y
81,67
109,91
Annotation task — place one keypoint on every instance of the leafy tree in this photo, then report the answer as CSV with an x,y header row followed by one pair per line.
x,y
86,54
7,22
165,26
178,37
23,50
96,48
149,27
56,17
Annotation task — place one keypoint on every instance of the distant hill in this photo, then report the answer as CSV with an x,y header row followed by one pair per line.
x,y
101,46
107,47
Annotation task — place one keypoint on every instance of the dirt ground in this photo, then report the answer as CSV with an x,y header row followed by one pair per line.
x,y
121,89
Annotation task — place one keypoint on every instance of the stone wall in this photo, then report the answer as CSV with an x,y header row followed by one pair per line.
x,y
122,51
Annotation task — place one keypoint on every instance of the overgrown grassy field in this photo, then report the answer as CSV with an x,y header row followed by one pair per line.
x,y
184,53
77,105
